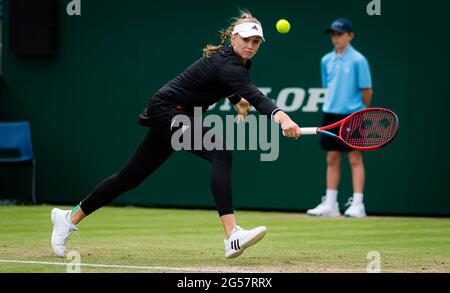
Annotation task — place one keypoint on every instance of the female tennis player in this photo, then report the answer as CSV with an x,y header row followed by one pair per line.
x,y
222,72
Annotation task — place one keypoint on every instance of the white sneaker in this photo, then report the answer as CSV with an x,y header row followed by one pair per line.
x,y
241,239
325,209
355,210
62,229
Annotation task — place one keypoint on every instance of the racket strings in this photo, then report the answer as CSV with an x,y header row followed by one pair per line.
x,y
369,128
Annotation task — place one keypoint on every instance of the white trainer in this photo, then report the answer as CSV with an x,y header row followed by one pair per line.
x,y
241,239
355,210
325,209
62,230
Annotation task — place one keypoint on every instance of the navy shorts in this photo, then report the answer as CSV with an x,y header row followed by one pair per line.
x,y
329,143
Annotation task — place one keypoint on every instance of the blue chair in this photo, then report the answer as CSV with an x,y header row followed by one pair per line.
x,y
16,137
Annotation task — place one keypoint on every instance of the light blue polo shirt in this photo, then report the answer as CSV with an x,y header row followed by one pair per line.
x,y
344,76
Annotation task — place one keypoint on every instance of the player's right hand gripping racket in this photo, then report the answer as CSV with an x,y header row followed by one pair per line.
x,y
365,130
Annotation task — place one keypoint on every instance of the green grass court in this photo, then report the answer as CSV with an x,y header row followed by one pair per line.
x,y
169,240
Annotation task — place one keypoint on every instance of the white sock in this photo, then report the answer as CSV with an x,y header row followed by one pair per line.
x,y
331,196
357,197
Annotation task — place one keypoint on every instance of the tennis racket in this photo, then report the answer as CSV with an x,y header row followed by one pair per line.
x,y
364,130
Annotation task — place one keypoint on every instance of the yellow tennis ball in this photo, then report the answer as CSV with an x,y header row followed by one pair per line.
x,y
283,26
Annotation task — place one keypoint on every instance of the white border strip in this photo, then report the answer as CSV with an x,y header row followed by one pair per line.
x,y
117,266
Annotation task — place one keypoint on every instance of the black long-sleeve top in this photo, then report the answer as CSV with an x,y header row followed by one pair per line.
x,y
212,78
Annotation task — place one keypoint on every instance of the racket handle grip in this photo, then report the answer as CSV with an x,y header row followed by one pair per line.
x,y
308,130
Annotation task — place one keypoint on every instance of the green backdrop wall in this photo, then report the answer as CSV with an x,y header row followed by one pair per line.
x,y
82,104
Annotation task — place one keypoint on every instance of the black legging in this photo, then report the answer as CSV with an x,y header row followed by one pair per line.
x,y
154,150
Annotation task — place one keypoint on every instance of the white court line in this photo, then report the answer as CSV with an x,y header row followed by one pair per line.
x,y
116,266
170,268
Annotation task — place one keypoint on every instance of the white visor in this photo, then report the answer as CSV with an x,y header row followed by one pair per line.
x,y
249,29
